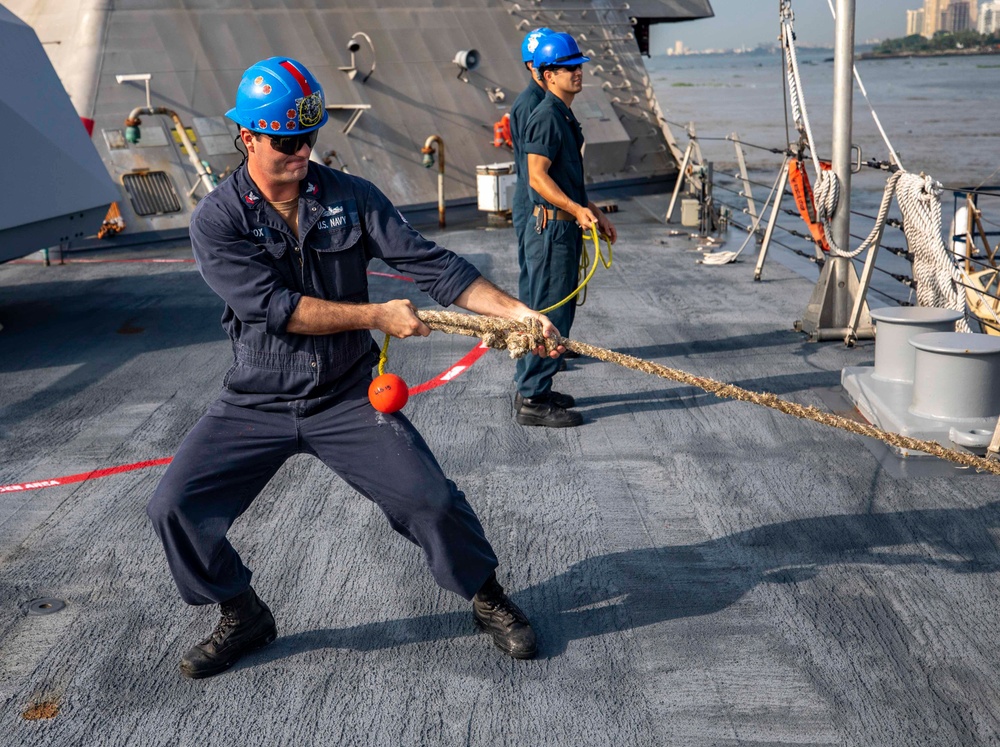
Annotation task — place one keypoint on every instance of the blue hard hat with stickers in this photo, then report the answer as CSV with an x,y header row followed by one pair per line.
x,y
279,96
557,50
530,43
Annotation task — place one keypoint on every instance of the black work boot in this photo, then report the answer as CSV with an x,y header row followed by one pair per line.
x,y
246,625
542,410
559,399
495,614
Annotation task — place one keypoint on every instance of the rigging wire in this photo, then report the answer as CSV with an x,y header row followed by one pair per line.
x,y
995,172
784,75
861,85
891,222
902,279
730,138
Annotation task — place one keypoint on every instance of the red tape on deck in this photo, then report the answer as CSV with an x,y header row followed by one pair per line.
x,y
443,378
81,477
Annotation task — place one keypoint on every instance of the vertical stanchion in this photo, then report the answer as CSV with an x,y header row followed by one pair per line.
x,y
773,220
858,311
681,177
741,158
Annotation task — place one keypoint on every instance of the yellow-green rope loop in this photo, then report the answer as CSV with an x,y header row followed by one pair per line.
x,y
592,235
384,355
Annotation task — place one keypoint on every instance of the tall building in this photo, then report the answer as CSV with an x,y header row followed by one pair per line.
x,y
949,15
914,22
957,17
989,18
932,16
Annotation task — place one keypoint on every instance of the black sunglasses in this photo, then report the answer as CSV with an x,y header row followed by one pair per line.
x,y
569,68
289,145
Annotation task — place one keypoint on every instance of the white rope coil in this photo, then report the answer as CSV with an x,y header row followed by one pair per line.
x,y
827,195
939,280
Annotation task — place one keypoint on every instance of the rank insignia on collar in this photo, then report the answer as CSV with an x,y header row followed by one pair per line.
x,y
312,189
251,198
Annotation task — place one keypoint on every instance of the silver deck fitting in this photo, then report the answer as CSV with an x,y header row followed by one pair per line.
x,y
928,381
894,356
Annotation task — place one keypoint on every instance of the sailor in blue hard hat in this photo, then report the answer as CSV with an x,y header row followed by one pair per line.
x,y
279,103
285,242
553,142
530,44
279,96
525,103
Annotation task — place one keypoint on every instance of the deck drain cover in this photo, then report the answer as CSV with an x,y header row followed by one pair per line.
x,y
45,606
151,192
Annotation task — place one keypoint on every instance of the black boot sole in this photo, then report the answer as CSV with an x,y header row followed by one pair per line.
x,y
525,419
523,655
222,666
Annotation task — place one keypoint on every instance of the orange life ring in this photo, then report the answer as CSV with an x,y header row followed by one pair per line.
x,y
802,191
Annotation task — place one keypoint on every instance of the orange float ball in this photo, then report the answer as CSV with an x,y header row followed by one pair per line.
x,y
388,393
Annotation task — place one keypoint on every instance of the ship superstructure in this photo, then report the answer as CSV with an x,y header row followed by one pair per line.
x,y
394,74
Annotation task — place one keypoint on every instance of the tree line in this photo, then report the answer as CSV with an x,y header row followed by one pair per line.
x,y
942,41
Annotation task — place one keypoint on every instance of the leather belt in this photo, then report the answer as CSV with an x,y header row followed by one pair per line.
x,y
553,214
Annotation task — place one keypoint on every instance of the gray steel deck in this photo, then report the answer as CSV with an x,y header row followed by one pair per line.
x,y
699,571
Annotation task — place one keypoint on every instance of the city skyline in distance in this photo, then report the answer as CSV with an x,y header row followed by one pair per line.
x,y
734,27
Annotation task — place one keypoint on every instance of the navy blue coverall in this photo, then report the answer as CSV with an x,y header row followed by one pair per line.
x,y
520,112
289,394
552,258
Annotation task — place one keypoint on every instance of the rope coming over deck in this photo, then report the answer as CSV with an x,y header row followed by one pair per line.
x,y
519,339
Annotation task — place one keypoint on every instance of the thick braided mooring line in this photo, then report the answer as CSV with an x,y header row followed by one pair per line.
x,y
519,339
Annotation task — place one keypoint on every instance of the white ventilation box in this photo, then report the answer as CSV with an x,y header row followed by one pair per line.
x,y
495,186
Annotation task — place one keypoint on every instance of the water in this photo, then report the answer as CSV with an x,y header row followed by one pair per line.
x,y
941,114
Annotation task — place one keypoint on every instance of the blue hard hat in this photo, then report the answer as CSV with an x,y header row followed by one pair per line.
x,y
556,50
530,43
279,96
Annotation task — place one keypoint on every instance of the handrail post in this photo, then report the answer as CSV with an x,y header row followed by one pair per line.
x,y
741,158
773,220
681,177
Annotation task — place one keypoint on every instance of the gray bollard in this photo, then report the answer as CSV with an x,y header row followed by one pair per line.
x,y
956,376
895,328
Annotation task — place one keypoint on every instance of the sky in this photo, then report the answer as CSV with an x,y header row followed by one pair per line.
x,y
750,22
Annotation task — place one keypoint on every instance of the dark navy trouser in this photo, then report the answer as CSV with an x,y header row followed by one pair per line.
x,y
522,219
229,456
548,274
